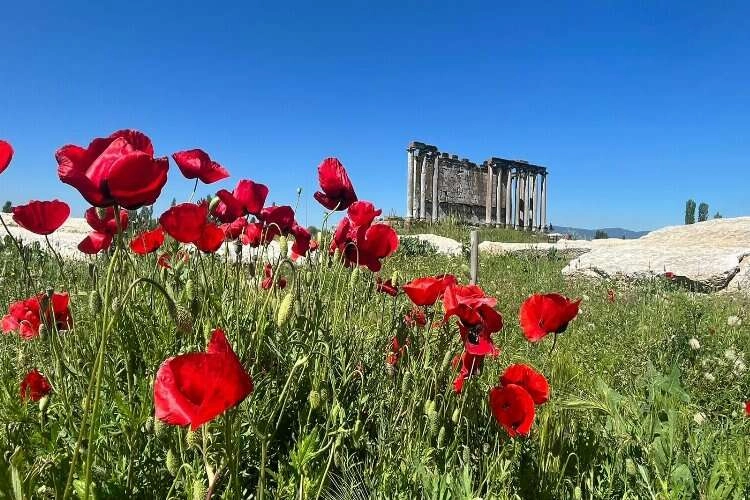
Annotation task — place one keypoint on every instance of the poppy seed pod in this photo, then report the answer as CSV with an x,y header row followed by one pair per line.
x,y
283,246
159,428
171,463
433,421
441,437
456,415
405,382
323,395
353,278
184,320
199,490
285,310
43,404
190,289
191,439
314,399
95,302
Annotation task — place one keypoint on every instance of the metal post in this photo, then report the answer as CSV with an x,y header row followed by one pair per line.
x,y
474,264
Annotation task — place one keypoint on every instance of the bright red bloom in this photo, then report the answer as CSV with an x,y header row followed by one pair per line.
x,y
477,316
278,218
148,241
525,376
247,198
363,213
395,352
194,388
233,230
513,408
337,192
185,222
363,244
254,235
747,408
268,279
6,155
470,365
196,164
426,291
119,169
41,217
669,275
301,241
34,386
544,314
103,221
27,316
415,317
386,286
95,242
210,239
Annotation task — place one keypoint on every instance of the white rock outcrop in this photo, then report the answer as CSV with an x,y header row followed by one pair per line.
x,y
443,245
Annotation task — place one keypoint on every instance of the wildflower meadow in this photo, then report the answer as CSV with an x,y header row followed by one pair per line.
x,y
220,349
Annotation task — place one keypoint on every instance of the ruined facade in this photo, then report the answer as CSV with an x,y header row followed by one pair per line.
x,y
500,192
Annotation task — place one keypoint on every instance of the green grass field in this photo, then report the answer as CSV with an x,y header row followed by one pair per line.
x,y
635,411
460,232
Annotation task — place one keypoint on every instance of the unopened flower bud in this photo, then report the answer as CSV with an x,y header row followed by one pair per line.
x,y
95,302
314,399
285,310
43,404
283,246
199,490
171,463
190,289
191,439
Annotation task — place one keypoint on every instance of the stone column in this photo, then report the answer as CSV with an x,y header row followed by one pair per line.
x,y
532,201
415,186
508,199
423,190
544,201
525,194
488,196
519,200
409,183
500,191
435,192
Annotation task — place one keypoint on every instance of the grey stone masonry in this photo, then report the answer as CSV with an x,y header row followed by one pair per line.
x,y
499,191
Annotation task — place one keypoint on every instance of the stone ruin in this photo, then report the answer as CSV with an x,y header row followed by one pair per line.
x,y
500,192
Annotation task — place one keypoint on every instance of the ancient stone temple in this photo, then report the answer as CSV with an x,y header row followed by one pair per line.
x,y
500,192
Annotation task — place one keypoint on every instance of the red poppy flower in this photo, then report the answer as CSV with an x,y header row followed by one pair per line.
x,y
747,408
27,316
362,213
120,169
415,317
210,239
513,408
278,218
196,164
544,314
337,192
95,242
525,376
247,198
34,386
103,220
301,241
185,222
669,275
253,235
426,291
6,155
165,259
148,241
470,365
394,354
233,230
314,245
268,279
477,316
387,287
41,217
364,245
194,388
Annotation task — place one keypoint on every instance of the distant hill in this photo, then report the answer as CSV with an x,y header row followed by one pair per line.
x,y
588,234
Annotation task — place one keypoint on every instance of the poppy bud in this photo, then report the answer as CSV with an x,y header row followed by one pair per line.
x,y
441,437
190,289
159,428
212,204
357,428
405,381
199,490
115,305
456,415
630,467
353,278
433,421
171,462
577,493
394,278
191,439
283,246
323,395
95,302
314,399
148,427
184,320
335,411
447,358
466,456
42,332
285,310
21,360
43,404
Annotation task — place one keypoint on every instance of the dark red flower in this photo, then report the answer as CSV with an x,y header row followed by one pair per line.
x,y
196,164
426,291
253,235
185,222
148,241
477,316
120,169
103,220
165,259
41,217
301,241
279,219
363,245
6,155
233,230
747,408
268,279
210,239
513,408
470,365
34,386
95,242
525,376
394,353
247,198
27,316
415,317
544,314
337,192
386,286
194,388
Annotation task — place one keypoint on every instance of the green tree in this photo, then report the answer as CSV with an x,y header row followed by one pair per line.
x,y
600,234
717,215
690,212
8,207
703,212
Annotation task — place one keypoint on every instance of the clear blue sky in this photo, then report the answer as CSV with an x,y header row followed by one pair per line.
x,y
633,106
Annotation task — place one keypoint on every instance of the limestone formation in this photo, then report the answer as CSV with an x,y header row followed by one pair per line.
x,y
443,245
500,192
